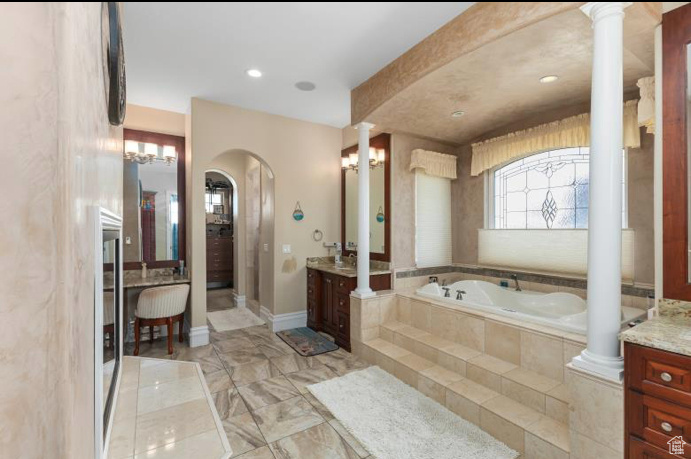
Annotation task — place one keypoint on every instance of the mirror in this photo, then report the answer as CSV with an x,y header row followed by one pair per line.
x,y
379,183
111,318
153,199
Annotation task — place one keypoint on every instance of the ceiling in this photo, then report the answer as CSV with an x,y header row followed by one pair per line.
x,y
498,84
175,51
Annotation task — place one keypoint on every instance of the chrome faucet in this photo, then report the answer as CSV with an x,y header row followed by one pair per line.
x,y
514,277
459,294
446,292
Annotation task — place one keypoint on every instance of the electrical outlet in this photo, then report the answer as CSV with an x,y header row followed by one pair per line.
x,y
128,240
286,248
266,247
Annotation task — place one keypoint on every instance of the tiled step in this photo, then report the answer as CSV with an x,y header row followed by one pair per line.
x,y
545,395
521,427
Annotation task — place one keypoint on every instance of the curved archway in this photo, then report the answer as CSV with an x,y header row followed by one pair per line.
x,y
253,227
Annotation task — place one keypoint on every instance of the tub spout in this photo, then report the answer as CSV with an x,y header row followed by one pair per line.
x,y
514,277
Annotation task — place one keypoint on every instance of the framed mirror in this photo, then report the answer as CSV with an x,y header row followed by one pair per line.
x,y
676,114
380,198
153,199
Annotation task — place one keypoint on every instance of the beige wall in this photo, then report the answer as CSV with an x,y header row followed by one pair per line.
x,y
403,195
154,120
468,202
55,135
304,158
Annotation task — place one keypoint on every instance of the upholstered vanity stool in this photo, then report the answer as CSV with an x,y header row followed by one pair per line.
x,y
161,306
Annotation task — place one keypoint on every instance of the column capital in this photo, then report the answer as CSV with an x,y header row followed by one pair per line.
x,y
600,10
364,125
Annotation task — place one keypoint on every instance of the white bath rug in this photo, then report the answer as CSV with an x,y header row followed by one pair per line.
x,y
233,319
394,421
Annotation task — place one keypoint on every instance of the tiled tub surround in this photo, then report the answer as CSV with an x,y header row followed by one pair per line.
x,y
506,376
635,296
164,410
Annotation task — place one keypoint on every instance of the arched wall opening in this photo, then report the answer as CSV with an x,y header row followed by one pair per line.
x,y
253,229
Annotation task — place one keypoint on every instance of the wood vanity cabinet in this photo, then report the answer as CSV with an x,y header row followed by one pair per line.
x,y
219,259
657,401
328,302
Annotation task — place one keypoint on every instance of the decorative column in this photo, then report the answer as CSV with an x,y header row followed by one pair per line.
x,y
363,289
602,356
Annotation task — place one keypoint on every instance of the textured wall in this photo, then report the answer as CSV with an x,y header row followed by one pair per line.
x,y
61,154
304,158
468,204
403,195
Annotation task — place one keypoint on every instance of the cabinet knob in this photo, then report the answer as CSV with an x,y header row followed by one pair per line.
x,y
342,325
666,377
666,426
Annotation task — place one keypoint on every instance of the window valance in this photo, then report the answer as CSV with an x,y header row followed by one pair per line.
x,y
433,163
569,132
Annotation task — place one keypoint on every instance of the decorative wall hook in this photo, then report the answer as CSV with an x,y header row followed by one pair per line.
x,y
298,214
380,215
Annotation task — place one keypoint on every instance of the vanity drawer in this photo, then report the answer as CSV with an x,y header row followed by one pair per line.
x,y
641,450
657,421
659,373
344,284
343,303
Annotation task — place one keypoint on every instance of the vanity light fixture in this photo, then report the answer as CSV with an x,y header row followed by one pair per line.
x,y
254,73
377,156
549,78
457,114
147,153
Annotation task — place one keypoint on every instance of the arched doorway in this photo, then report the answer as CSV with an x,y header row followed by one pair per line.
x,y
251,227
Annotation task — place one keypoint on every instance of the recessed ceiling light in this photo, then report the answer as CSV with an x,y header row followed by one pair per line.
x,y
457,114
549,79
305,86
254,73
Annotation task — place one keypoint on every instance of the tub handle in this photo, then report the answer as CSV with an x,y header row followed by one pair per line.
x,y
459,294
446,292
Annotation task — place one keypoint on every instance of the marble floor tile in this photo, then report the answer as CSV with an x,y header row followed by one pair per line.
x,y
173,424
154,398
156,350
341,362
218,381
319,406
290,363
229,403
159,374
267,392
260,453
251,372
122,438
242,357
232,344
319,442
215,336
275,349
205,356
243,434
349,439
286,418
304,378
204,445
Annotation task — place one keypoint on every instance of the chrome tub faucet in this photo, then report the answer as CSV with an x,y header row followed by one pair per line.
x,y
514,277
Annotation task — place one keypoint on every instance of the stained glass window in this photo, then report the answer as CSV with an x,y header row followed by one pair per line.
x,y
547,190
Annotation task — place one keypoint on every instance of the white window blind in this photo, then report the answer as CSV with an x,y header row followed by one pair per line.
x,y
432,220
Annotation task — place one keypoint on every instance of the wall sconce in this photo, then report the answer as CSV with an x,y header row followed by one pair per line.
x,y
377,156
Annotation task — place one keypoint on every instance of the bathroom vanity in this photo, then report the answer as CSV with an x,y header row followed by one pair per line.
x,y
328,298
658,387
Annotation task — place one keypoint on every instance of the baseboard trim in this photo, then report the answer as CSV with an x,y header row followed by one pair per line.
x,y
282,322
240,301
199,336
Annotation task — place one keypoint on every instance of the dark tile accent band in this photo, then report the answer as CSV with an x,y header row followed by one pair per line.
x,y
626,289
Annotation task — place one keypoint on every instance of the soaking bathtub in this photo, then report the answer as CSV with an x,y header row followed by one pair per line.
x,y
560,310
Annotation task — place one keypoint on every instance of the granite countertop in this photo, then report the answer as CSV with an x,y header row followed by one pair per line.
x,y
666,333
348,271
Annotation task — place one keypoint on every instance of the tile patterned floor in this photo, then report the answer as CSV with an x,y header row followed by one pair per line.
x,y
258,385
163,411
